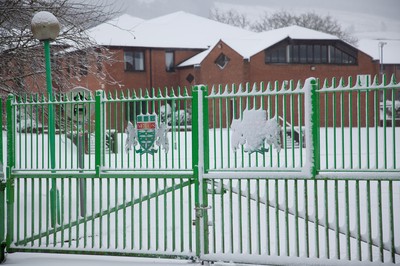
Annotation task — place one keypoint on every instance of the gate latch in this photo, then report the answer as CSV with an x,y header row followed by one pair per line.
x,y
200,210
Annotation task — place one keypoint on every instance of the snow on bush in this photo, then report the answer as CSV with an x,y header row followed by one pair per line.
x,y
253,130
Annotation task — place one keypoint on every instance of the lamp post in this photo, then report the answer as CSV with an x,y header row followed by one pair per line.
x,y
381,44
45,27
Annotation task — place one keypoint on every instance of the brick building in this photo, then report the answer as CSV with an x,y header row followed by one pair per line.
x,y
181,49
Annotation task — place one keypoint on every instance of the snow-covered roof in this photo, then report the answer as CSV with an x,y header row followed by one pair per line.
x,y
391,50
175,30
119,31
250,45
197,59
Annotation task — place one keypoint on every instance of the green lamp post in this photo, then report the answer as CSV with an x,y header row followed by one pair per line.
x,y
45,27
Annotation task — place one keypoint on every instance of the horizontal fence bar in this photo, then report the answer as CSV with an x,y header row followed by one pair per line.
x,y
138,253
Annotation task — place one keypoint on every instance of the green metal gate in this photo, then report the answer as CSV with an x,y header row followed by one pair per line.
x,y
197,184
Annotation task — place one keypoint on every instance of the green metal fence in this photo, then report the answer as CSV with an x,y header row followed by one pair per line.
x,y
255,173
334,197
100,205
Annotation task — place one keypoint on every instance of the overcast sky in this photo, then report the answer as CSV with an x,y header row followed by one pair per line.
x,y
153,8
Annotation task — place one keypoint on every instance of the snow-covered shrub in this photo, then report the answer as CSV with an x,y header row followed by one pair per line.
x,y
180,116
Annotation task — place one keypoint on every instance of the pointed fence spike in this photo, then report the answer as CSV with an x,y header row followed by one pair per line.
x,y
146,94
334,80
284,85
234,88
291,85
298,85
226,89
276,85
179,91
140,93
269,86
262,86
185,92
159,93
375,81
213,90
247,86
254,88
341,82
326,84
172,92
219,89
350,82
384,80
393,79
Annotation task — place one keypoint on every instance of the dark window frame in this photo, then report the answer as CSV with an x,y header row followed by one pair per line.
x,y
311,52
170,67
131,66
222,60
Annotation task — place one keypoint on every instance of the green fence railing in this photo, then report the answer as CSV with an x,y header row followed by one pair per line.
x,y
265,173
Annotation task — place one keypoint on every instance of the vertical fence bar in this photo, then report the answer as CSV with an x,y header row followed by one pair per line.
x,y
2,218
206,164
99,130
2,193
195,162
10,165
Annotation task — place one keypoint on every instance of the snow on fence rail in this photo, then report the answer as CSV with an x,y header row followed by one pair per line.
x,y
262,173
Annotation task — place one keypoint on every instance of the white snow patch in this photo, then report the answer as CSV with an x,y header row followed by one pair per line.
x,y
253,129
44,18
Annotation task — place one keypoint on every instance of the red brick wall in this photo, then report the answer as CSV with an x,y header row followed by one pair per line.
x,y
154,75
271,72
236,71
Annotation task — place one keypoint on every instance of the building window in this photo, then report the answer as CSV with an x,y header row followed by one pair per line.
x,y
169,61
301,52
134,60
190,78
276,55
221,61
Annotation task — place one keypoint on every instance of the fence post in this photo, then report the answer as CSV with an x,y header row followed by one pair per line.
x,y
2,216
10,165
2,193
313,138
99,135
200,165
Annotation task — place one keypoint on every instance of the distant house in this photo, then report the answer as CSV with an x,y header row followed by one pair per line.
x,y
148,52
288,53
181,49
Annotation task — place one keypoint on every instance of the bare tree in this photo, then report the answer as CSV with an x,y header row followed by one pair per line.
x,y
231,17
283,18
21,56
309,20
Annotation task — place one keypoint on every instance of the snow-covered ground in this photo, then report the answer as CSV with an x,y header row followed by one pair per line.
x,y
40,259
